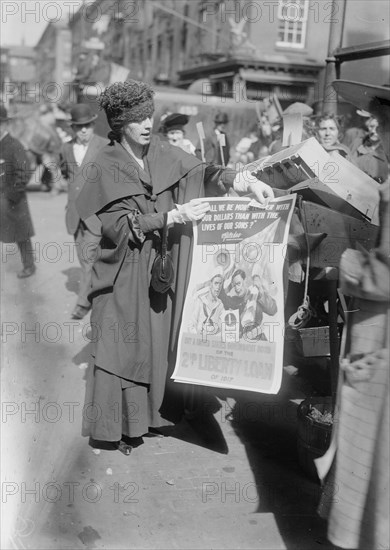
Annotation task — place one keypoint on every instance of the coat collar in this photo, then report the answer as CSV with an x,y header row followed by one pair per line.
x,y
119,175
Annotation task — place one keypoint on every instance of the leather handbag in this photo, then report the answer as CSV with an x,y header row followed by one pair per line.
x,y
163,273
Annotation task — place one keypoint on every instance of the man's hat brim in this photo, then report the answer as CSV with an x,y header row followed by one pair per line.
x,y
87,120
360,94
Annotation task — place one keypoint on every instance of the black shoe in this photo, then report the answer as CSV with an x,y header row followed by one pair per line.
x,y
79,312
27,272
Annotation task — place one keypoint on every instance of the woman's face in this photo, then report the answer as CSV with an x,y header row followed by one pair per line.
x,y
175,136
139,133
328,133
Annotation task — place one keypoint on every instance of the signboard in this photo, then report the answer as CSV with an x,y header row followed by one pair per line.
x,y
232,330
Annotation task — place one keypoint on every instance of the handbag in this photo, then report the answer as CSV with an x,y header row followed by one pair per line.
x,y
163,273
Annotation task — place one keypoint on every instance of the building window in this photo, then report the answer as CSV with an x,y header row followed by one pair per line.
x,y
292,18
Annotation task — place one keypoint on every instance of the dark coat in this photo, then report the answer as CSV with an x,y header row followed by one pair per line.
x,y
372,161
212,150
129,318
15,219
75,176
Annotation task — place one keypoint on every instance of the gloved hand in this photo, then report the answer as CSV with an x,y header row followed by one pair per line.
x,y
245,182
188,212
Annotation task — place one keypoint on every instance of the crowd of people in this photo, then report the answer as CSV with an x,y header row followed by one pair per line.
x,y
160,181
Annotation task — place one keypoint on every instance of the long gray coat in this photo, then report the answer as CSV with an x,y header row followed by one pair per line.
x,y
15,219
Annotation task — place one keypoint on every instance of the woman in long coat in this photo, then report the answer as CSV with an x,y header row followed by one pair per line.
x,y
138,181
15,220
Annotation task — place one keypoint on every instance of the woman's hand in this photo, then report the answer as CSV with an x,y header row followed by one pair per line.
x,y
189,212
245,182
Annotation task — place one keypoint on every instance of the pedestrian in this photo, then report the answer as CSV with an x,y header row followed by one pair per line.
x,y
44,145
355,469
355,127
15,220
77,159
328,133
143,183
173,129
214,151
368,153
249,148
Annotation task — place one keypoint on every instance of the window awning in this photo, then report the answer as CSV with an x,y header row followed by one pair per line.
x,y
267,77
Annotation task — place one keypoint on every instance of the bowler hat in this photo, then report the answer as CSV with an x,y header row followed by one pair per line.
x,y
3,113
221,118
175,121
81,114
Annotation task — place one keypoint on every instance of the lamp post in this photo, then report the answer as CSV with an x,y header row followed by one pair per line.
x,y
335,42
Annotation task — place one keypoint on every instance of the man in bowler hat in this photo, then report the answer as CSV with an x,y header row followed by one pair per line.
x,y
213,151
76,161
15,220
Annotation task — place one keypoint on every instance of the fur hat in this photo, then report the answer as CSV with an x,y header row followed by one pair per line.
x,y
124,102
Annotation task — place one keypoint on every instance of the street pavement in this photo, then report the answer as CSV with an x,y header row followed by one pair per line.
x,y
228,480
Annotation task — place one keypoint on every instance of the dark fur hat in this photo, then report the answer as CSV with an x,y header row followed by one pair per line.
x,y
124,102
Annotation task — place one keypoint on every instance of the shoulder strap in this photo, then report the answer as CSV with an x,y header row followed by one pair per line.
x,y
164,239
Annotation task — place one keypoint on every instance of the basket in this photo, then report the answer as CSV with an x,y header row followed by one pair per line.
x,y
315,341
313,436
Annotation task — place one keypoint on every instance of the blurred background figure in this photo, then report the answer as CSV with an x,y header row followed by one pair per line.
x,y
251,147
15,220
212,149
355,126
368,152
75,157
173,128
43,143
328,133
297,108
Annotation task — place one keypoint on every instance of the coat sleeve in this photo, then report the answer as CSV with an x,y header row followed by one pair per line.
x,y
122,219
218,180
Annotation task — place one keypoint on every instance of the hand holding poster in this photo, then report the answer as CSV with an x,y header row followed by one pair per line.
x,y
232,330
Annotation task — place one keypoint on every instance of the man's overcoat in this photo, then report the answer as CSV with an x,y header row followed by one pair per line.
x,y
75,176
15,219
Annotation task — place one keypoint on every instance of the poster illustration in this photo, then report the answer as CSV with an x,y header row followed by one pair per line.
x,y
232,330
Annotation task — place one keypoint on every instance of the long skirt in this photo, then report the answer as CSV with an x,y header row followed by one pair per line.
x,y
116,406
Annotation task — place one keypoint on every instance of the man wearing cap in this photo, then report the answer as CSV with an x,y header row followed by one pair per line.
x,y
15,220
212,144
76,163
